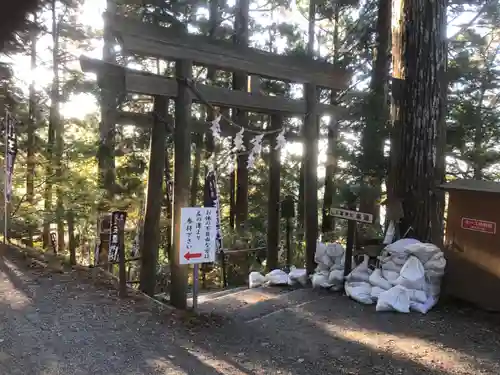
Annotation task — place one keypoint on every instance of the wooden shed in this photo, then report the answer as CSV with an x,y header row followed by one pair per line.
x,y
472,242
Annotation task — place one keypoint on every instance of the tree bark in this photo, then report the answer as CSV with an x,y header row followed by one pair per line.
x,y
273,203
106,159
182,170
168,202
311,134
59,132
419,68
195,179
151,240
328,222
32,124
72,239
478,156
53,125
373,164
240,82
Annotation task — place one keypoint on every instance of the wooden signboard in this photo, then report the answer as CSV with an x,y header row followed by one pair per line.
x,y
477,225
354,215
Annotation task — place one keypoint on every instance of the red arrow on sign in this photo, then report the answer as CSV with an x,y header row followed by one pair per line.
x,y
189,255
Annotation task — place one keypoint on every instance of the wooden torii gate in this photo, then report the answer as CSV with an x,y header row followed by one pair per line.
x,y
155,41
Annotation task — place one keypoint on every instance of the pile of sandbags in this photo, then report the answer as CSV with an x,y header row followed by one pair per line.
x,y
278,277
408,278
329,273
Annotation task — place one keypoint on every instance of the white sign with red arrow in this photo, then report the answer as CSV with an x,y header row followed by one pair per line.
x,y
198,235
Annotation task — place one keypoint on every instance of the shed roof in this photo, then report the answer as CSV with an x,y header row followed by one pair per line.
x,y
473,185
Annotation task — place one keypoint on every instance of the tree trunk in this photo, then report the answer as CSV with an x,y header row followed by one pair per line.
x,y
240,82
195,179
419,68
106,159
59,130
328,222
72,239
32,124
273,204
373,164
151,240
182,170
54,119
478,140
168,202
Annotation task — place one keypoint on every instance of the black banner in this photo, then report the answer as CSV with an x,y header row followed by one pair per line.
x,y
53,241
10,137
117,228
211,199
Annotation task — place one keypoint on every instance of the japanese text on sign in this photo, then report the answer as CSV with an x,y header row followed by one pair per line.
x,y
198,235
362,217
479,225
117,224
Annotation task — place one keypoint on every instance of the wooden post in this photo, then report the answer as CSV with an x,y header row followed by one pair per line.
x,y
311,134
351,232
121,260
151,239
70,218
288,213
273,200
182,171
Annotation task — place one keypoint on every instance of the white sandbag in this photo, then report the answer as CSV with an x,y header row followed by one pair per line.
x,y
375,293
423,251
399,247
394,299
361,272
376,279
277,277
423,307
255,279
436,263
412,275
338,267
321,256
321,267
334,250
417,295
359,291
433,287
391,266
297,276
336,277
320,280
390,276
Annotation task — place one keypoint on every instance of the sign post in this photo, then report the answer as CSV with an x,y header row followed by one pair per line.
x,y
353,217
53,242
197,240
117,247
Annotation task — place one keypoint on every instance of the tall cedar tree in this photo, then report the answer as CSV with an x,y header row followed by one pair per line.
x,y
419,87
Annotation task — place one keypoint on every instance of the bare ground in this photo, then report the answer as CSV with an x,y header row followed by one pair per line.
x,y
66,324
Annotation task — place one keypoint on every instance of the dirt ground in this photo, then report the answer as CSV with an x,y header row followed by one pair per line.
x,y
66,324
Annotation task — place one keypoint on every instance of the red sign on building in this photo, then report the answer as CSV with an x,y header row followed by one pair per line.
x,y
479,225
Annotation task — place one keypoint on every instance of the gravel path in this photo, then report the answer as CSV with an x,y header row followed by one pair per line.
x,y
64,324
